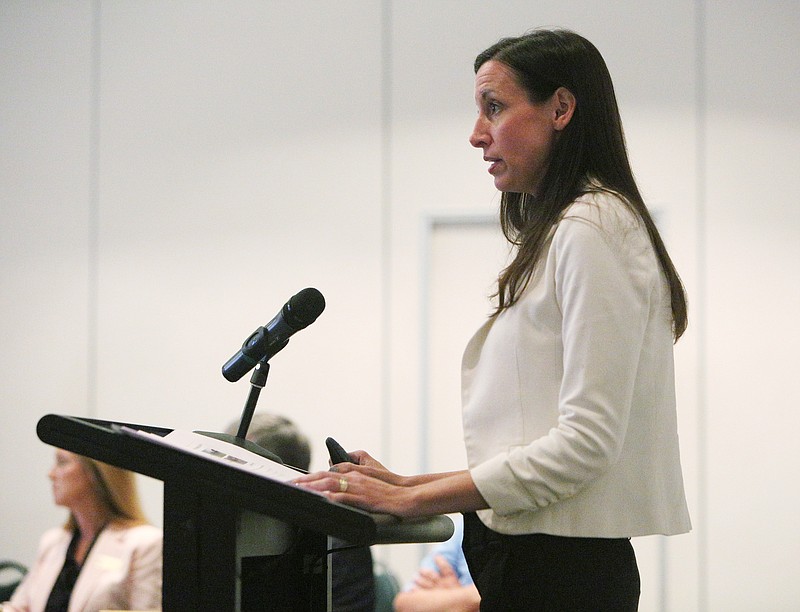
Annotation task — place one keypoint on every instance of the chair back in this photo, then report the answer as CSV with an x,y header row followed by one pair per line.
x,y
11,574
386,588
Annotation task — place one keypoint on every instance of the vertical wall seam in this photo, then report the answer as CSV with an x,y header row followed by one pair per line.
x,y
423,394
93,215
700,308
663,568
386,227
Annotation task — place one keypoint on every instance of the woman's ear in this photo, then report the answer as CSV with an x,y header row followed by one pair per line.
x,y
564,103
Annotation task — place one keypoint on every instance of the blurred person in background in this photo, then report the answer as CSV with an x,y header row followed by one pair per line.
x,y
443,581
106,555
353,580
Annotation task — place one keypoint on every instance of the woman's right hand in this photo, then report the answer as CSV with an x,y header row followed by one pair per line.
x,y
364,463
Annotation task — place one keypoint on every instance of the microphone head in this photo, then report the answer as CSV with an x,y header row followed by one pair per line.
x,y
303,308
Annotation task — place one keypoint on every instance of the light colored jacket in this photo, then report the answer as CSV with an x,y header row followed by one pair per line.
x,y
569,397
121,572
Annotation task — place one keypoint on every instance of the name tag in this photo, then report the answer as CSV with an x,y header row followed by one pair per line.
x,y
108,563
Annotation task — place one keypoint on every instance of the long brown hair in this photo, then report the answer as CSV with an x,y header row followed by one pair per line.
x,y
117,490
590,155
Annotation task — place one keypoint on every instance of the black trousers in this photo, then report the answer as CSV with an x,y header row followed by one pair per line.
x,y
541,572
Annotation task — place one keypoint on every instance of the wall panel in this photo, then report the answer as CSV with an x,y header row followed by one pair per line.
x,y
45,187
753,245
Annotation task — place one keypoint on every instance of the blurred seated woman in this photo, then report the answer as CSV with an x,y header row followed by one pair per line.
x,y
105,557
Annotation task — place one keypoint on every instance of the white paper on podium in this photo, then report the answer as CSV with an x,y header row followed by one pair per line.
x,y
219,451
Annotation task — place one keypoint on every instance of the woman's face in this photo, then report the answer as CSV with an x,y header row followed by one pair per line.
x,y
515,134
70,478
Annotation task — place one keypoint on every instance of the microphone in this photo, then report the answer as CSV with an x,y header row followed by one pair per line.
x,y
298,313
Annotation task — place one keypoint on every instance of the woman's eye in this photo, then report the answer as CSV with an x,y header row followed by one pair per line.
x,y
493,108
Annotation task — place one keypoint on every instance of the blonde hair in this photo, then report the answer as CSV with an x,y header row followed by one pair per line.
x,y
116,488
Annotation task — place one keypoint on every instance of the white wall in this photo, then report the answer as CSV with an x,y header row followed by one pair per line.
x,y
173,172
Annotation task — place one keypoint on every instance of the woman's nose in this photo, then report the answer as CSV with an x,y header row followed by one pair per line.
x,y
478,138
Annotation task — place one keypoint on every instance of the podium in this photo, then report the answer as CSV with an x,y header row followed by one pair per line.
x,y
230,534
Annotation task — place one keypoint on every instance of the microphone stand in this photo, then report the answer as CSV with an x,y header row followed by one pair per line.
x,y
258,380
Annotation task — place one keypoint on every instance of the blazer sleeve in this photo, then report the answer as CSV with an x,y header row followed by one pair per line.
x,y
145,573
33,591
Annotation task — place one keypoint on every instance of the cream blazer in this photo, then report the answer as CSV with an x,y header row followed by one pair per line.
x,y
568,396
121,572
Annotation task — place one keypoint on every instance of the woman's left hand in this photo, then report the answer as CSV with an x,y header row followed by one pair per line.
x,y
350,485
